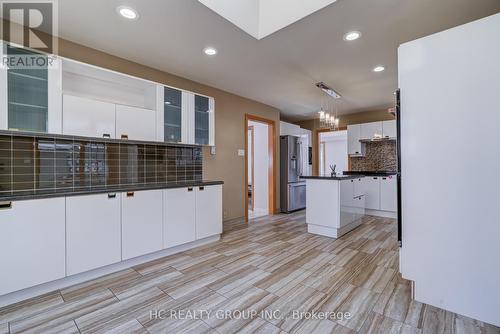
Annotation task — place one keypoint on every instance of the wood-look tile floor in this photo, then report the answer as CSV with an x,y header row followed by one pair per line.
x,y
271,264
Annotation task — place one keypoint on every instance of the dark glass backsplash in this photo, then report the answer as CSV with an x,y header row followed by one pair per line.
x,y
45,164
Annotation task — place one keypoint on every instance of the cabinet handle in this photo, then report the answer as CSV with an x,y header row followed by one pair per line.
x,y
375,178
190,189
130,194
384,178
202,188
106,135
124,136
357,152
112,195
352,181
5,205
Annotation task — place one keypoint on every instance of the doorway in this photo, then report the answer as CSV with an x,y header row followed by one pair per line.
x,y
259,167
332,152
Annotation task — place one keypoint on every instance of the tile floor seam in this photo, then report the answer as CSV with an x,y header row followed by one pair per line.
x,y
147,331
74,321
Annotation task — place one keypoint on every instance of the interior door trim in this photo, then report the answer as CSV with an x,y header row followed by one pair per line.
x,y
272,168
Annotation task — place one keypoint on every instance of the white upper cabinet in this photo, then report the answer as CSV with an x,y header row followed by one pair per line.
x,y
135,123
30,98
142,222
88,117
208,211
103,103
354,146
371,130
389,129
32,243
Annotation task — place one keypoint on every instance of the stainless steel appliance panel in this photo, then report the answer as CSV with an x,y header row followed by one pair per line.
x,y
293,158
296,196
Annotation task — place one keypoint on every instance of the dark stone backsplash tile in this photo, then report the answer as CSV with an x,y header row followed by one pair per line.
x,y
40,164
379,156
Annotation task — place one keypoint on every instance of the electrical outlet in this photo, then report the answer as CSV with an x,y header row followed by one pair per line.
x,y
241,153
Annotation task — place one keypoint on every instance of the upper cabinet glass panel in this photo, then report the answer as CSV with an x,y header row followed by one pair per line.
x,y
27,99
201,118
173,115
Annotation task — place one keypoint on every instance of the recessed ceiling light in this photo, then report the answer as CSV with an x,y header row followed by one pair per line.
x,y
210,51
127,12
379,68
352,36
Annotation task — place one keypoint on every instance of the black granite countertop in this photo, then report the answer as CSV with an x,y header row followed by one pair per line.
x,y
331,178
40,194
370,173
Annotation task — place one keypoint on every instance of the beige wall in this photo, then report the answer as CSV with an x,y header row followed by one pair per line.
x,y
230,131
345,120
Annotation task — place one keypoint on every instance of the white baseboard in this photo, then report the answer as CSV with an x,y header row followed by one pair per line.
x,y
333,232
322,230
384,214
65,282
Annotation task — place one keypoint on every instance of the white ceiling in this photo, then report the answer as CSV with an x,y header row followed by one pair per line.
x,y
261,18
281,69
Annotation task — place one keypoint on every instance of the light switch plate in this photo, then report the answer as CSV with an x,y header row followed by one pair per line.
x,y
241,153
212,150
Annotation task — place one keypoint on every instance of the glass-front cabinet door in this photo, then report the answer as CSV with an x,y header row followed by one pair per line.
x,y
203,120
30,95
27,95
185,117
173,115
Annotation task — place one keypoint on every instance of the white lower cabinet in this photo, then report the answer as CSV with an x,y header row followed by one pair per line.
x,y
179,220
359,186
142,223
48,239
388,194
208,211
32,243
92,232
372,192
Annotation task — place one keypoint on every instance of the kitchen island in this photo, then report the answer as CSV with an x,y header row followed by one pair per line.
x,y
335,205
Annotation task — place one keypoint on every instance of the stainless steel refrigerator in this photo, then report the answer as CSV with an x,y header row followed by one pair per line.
x,y
293,189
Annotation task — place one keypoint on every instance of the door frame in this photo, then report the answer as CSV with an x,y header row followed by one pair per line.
x,y
272,168
252,131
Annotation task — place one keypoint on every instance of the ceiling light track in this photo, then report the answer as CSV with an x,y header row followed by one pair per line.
x,y
328,90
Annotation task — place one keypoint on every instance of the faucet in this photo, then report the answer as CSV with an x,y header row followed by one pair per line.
x,y
333,168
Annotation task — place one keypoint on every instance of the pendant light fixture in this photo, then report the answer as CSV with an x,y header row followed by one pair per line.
x,y
328,116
